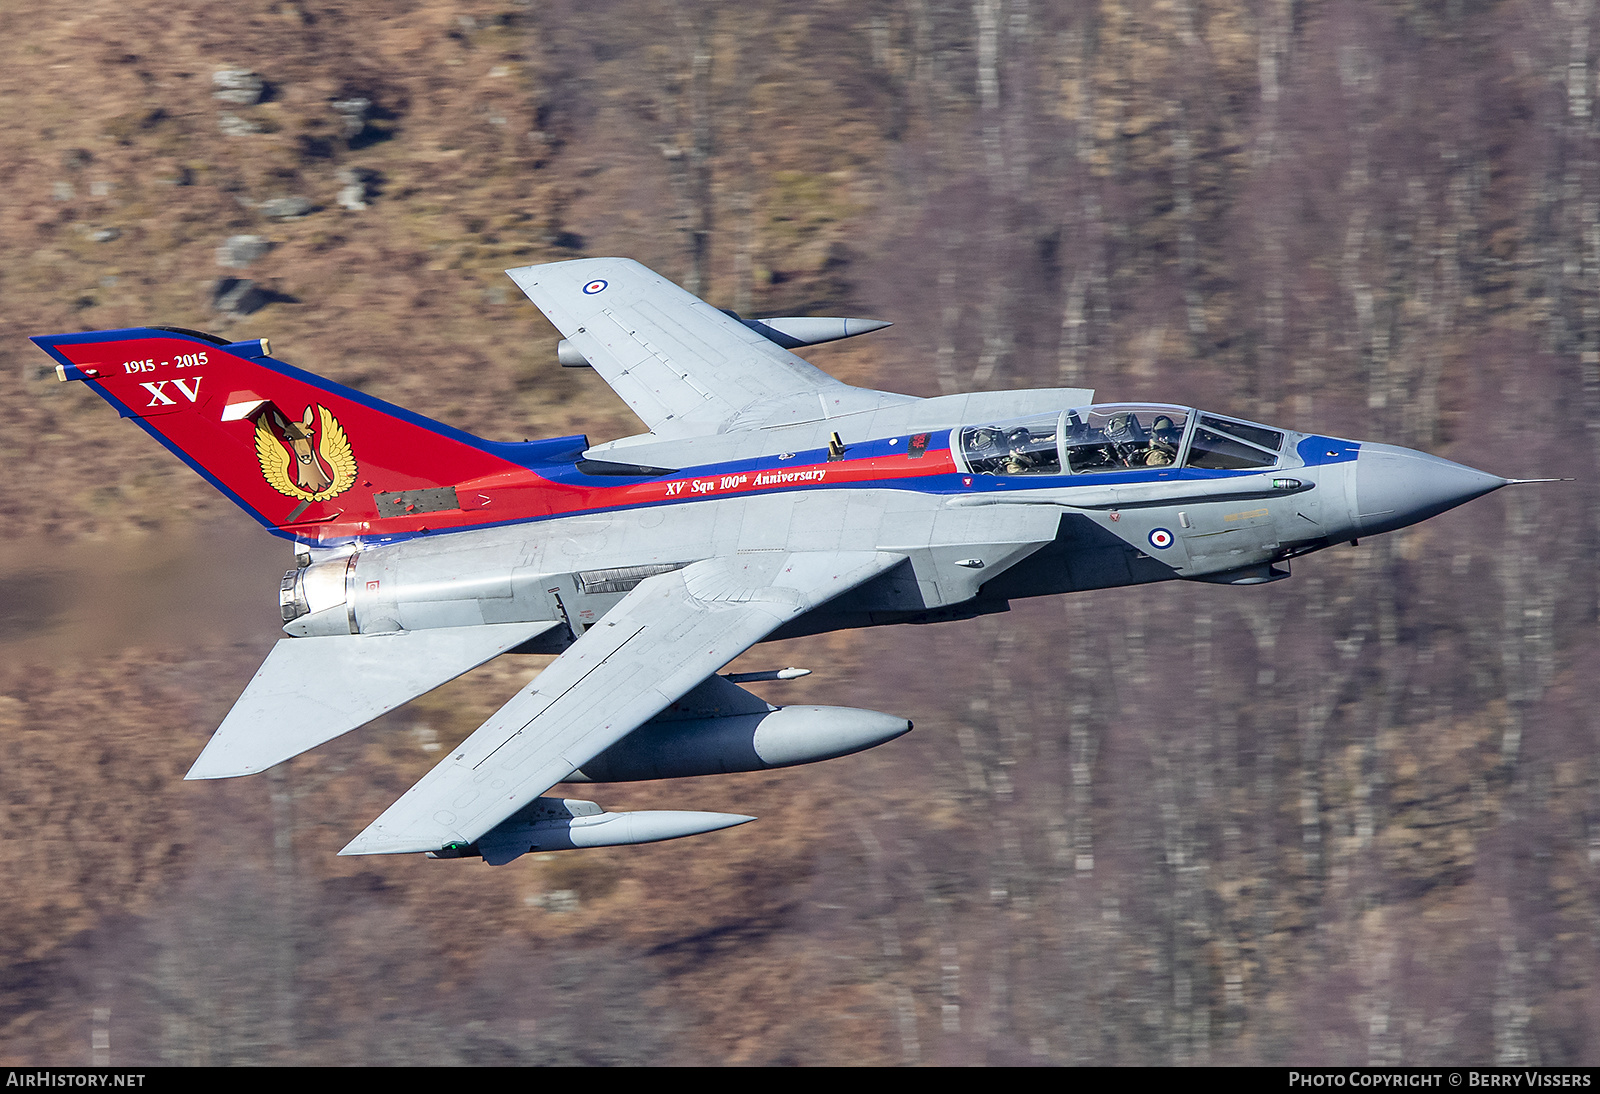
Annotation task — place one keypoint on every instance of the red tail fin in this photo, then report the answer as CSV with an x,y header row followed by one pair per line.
x,y
308,458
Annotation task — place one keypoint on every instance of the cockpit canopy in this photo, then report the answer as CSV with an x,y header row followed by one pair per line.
x,y
1118,437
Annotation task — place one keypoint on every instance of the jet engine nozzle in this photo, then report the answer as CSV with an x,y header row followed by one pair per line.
x,y
319,587
1396,487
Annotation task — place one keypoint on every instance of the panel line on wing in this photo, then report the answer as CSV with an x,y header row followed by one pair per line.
x,y
686,344
672,328
558,696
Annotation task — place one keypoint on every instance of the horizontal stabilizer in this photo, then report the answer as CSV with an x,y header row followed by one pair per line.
x,y
311,690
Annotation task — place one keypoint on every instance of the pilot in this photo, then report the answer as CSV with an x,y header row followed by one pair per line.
x,y
1122,430
1019,460
983,450
985,438
1164,439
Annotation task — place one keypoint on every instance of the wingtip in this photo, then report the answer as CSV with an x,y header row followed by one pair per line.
x,y
370,843
361,845
366,845
202,771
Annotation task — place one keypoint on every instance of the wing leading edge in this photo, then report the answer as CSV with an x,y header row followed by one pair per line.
x,y
663,639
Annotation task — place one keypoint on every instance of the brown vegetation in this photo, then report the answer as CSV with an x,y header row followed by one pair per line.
x,y
1350,818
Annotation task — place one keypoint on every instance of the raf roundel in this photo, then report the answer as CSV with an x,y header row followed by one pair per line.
x,y
1160,539
597,285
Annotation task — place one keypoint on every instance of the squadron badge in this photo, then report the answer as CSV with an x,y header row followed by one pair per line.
x,y
312,464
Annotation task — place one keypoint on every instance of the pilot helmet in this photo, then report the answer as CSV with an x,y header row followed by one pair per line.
x,y
1118,427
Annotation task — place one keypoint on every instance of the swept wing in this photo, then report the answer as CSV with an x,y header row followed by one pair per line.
x,y
684,367
658,643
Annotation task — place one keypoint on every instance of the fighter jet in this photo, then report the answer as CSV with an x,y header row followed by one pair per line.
x,y
766,500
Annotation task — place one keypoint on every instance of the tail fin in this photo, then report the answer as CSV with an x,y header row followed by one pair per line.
x,y
308,458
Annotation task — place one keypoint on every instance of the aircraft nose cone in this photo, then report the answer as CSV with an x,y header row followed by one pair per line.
x,y
1398,486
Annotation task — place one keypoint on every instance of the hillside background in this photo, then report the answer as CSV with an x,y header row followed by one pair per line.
x,y
1349,818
